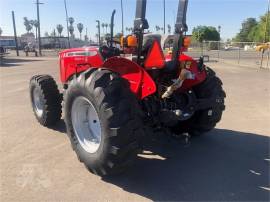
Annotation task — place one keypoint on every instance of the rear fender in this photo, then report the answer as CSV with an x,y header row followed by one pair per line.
x,y
141,84
199,76
77,60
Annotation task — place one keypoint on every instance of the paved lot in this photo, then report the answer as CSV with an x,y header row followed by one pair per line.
x,y
230,163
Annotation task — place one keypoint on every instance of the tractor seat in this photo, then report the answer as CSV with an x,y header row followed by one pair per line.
x,y
150,37
148,40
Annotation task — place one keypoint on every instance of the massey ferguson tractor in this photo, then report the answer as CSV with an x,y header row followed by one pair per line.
x,y
111,95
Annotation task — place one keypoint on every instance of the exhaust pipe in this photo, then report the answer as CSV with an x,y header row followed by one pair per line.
x,y
112,24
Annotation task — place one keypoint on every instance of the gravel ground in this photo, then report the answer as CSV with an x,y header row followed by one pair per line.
x,y
231,163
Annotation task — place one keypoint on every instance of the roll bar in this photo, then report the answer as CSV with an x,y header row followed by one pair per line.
x,y
140,24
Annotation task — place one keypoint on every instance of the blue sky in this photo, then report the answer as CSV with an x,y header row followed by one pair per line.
x,y
227,13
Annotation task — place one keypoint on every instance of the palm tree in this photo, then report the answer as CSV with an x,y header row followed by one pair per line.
x,y
129,29
71,20
27,24
106,26
86,38
53,34
71,30
1,31
157,28
35,24
80,28
103,25
169,28
162,29
96,36
59,28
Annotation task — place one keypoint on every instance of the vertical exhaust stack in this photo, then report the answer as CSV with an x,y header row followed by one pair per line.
x,y
180,28
140,24
112,25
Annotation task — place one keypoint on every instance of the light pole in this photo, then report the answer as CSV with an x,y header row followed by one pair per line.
x,y
219,31
15,33
38,19
122,13
265,34
266,25
67,22
98,26
164,17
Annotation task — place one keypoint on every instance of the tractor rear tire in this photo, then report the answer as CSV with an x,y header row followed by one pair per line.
x,y
110,140
205,120
46,100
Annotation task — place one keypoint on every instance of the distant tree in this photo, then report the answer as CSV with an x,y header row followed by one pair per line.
x,y
46,34
35,24
1,31
106,26
86,38
247,26
157,28
59,28
169,28
27,24
219,29
71,30
80,29
205,33
103,25
71,20
53,34
129,29
260,31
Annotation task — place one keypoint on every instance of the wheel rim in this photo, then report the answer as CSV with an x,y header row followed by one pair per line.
x,y
86,124
38,104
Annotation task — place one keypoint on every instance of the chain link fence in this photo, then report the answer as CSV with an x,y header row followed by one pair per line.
x,y
239,53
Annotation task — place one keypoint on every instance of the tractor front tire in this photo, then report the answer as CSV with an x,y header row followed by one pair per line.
x,y
205,120
102,120
45,99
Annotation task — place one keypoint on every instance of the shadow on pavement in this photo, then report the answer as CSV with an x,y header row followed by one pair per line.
x,y
223,165
14,62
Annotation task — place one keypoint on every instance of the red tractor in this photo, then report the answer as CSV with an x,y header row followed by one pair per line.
x,y
113,95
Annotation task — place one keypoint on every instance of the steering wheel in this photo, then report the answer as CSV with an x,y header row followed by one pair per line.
x,y
108,52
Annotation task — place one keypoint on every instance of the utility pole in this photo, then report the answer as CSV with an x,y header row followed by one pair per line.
x,y
38,19
67,23
98,26
219,31
267,28
164,17
266,34
122,13
15,33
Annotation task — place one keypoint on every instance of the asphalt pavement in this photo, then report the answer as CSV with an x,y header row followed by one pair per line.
x,y
231,163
